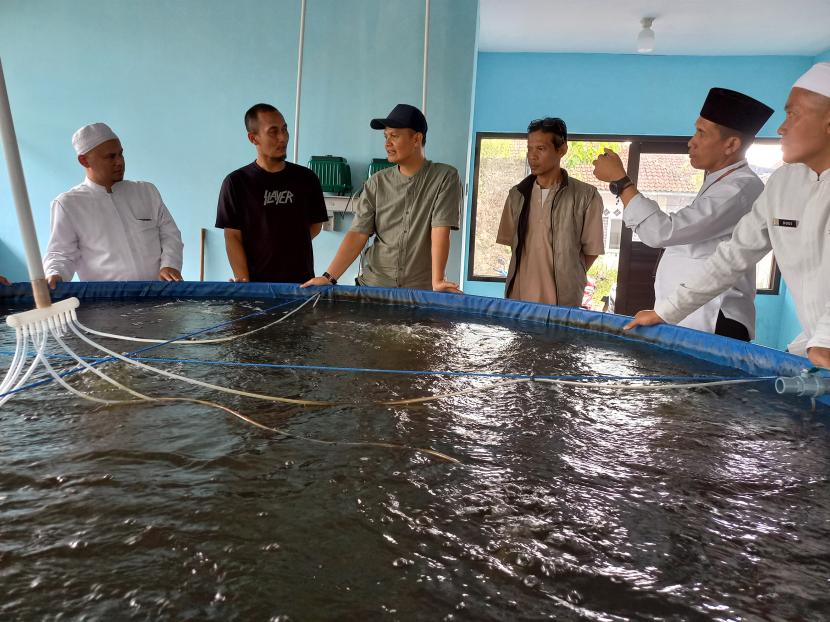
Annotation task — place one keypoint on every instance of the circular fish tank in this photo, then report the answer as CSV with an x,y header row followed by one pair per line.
x,y
422,457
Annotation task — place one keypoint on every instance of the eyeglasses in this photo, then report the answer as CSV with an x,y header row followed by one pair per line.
x,y
555,124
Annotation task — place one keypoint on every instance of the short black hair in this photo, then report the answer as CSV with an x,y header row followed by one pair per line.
x,y
252,116
745,138
551,125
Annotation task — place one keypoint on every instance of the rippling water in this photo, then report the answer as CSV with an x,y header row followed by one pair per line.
x,y
568,503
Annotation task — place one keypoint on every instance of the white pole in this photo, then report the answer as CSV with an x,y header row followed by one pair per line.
x,y
426,59
21,197
299,82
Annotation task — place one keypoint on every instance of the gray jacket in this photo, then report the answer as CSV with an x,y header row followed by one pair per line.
x,y
569,209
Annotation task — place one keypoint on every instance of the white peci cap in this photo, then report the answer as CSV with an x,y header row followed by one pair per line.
x,y
90,136
817,79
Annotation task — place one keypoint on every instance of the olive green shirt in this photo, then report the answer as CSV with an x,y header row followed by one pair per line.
x,y
401,212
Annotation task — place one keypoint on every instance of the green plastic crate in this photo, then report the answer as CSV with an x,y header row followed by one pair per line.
x,y
334,173
378,164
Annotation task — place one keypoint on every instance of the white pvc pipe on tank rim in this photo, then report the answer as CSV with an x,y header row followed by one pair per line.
x,y
426,59
808,384
21,199
300,46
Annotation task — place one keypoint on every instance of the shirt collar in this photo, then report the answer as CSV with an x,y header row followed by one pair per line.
x,y
421,171
97,187
715,176
719,172
93,186
811,174
555,185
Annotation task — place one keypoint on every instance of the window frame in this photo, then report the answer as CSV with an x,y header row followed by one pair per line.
x,y
776,281
653,142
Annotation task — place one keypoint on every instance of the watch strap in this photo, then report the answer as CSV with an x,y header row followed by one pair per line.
x,y
617,187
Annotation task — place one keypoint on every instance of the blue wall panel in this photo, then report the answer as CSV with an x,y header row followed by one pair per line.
x,y
358,66
174,79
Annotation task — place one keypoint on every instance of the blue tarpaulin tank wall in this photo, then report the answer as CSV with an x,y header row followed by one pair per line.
x,y
749,358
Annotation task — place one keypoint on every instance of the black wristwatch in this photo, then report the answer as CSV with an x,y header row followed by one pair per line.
x,y
617,187
331,279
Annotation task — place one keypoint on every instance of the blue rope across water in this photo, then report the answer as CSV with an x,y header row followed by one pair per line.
x,y
96,361
408,372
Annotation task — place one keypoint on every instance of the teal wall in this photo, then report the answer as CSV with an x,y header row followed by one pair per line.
x,y
358,67
823,57
626,94
787,324
174,79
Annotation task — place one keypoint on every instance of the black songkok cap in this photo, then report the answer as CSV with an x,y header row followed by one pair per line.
x,y
735,110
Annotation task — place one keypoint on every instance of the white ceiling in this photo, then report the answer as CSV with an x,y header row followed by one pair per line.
x,y
693,27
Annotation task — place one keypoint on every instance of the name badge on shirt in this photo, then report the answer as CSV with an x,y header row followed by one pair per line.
x,y
785,222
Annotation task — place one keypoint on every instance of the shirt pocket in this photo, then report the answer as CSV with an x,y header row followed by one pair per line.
x,y
141,216
141,224
146,228
788,237
145,232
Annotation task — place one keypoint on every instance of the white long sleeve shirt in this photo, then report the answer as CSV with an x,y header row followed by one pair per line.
x,y
125,235
791,217
691,235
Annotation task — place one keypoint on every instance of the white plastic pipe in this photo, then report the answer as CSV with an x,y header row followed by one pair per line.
x,y
426,59
299,83
807,385
18,184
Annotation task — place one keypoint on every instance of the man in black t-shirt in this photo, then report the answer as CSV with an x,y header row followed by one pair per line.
x,y
270,209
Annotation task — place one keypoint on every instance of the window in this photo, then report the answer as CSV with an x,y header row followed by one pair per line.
x,y
614,233
665,175
765,157
501,162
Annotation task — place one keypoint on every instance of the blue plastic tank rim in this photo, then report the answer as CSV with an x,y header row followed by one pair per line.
x,y
749,358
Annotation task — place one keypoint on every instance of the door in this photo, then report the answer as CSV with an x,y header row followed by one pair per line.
x,y
660,168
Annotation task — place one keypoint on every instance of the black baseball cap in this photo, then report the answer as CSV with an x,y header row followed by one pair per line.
x,y
735,110
402,115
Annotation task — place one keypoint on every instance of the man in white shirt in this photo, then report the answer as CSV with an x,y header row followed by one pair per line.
x,y
724,131
108,229
791,217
